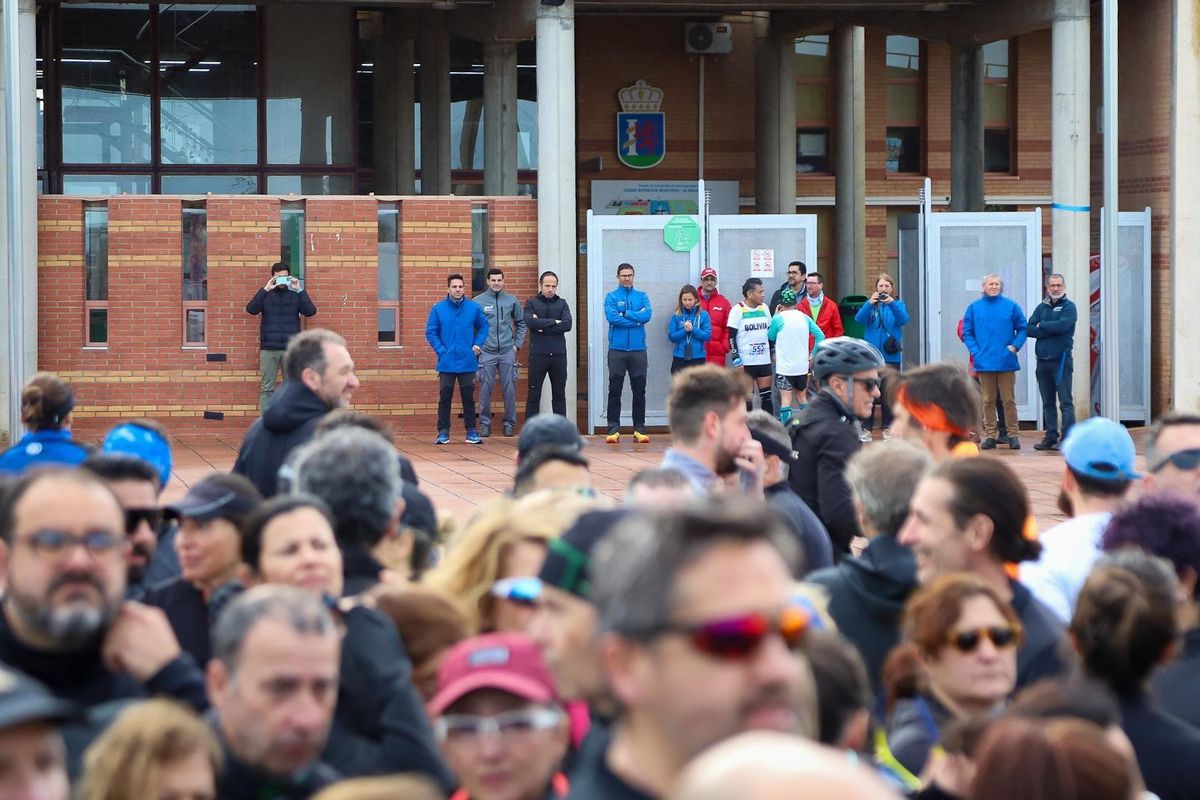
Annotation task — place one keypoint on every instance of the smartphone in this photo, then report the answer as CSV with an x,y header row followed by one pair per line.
x,y
283,280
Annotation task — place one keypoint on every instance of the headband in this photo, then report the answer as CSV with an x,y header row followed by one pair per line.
x,y
931,416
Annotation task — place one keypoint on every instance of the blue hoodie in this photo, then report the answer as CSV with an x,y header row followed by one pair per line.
x,y
627,312
701,332
454,327
990,325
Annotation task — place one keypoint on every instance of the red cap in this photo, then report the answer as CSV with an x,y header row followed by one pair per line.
x,y
704,273
509,662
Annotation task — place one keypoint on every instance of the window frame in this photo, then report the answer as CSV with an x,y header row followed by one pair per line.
x,y
919,122
392,306
89,304
806,125
188,305
1010,82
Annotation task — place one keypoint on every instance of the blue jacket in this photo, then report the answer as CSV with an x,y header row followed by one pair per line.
x,y
627,312
1053,325
881,321
990,325
701,332
452,330
40,448
280,309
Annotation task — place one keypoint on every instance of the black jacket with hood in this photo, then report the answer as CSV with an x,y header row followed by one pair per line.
x,y
288,422
824,436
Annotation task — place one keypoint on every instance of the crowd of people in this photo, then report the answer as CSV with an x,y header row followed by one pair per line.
x,y
774,610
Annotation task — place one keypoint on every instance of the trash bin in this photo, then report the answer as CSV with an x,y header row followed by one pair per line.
x,y
849,306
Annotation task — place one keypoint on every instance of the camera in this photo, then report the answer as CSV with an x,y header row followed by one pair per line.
x,y
884,295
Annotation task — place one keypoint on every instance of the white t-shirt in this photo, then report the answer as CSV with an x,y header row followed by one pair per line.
x,y
1069,551
751,325
791,341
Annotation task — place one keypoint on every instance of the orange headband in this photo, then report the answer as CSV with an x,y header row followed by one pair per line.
x,y
932,417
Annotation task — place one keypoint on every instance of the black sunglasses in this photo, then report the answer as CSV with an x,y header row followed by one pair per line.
x,y
135,516
1185,460
1001,636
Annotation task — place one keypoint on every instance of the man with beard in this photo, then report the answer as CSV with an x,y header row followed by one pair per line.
x,y
1053,325
698,641
135,484
709,438
63,620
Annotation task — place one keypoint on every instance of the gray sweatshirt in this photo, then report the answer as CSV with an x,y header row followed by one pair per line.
x,y
504,313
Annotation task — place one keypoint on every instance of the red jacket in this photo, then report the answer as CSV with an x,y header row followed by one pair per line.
x,y
718,308
829,319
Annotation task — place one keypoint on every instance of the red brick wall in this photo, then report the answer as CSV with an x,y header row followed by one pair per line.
x,y
146,371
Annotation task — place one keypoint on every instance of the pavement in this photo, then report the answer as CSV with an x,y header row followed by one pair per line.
x,y
460,477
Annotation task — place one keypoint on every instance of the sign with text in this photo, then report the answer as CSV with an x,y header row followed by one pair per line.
x,y
682,234
762,263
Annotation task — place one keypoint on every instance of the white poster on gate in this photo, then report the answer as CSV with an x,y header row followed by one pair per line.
x,y
652,198
762,263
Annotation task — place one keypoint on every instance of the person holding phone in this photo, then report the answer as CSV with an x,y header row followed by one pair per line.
x,y
689,330
280,302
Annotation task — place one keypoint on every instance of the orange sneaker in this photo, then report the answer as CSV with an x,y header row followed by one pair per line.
x,y
640,437
613,438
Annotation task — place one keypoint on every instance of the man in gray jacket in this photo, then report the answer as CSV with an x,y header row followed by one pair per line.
x,y
506,334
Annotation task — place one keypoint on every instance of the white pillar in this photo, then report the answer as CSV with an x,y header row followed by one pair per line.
x,y
435,105
851,180
1185,208
557,224
1070,135
500,118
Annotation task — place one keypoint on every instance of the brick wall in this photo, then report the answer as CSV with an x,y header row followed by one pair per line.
x,y
147,371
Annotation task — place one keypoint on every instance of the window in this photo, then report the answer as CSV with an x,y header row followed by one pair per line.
x,y
388,266
95,269
195,274
479,247
811,69
904,107
291,237
997,107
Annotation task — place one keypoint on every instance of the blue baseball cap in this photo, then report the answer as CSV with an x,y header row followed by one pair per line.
x,y
132,439
1101,449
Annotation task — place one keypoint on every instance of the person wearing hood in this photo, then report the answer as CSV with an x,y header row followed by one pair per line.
x,y
320,377
867,594
1053,325
457,329
280,302
994,332
689,330
506,334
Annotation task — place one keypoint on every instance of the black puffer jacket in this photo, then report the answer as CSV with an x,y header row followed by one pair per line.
x,y
287,424
281,310
824,436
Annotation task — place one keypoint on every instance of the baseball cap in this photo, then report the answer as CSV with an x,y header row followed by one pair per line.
x,y
510,662
217,496
138,440
772,447
1101,449
548,429
704,273
22,699
568,557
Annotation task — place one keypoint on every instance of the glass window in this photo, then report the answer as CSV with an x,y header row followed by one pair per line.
x,y
905,113
997,150
208,72
388,256
527,135
479,247
812,57
97,326
903,149
206,184
997,107
813,112
310,184
105,74
96,185
386,326
193,323
95,270
195,252
903,57
291,237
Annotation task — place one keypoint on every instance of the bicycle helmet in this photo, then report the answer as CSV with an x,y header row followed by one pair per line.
x,y
844,355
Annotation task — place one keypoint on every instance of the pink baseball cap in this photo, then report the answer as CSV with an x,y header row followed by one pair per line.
x,y
704,273
509,662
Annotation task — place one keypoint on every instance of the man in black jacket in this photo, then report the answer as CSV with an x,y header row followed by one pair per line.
x,y
280,302
319,377
548,318
796,272
827,433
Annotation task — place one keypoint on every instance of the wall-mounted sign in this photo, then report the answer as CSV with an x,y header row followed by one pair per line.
x,y
762,263
682,234
662,197
641,126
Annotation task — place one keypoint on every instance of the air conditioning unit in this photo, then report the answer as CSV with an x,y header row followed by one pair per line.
x,y
710,38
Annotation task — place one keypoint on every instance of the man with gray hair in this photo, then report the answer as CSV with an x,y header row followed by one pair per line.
x,y
1053,325
661,488
356,473
698,634
867,594
273,682
319,376
993,329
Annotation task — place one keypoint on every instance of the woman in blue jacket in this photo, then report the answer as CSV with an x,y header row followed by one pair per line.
x,y
689,330
882,319
46,403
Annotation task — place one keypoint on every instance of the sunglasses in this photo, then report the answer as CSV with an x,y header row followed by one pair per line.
x,y
1185,460
870,384
735,638
136,516
1001,636
522,591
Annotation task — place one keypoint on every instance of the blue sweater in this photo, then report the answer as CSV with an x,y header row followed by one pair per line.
x,y
701,332
881,321
627,312
42,447
990,325
454,327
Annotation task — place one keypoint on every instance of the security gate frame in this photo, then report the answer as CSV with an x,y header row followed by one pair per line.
x,y
1133,318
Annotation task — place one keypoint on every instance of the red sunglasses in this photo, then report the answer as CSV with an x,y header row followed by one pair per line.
x,y
733,638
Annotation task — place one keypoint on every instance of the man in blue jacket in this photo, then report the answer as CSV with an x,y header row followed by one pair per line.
x,y
1053,325
456,330
993,331
281,302
627,311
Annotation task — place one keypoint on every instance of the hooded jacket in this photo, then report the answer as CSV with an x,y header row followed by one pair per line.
x,y
1053,325
825,435
867,596
504,313
280,309
693,341
288,422
990,325
453,328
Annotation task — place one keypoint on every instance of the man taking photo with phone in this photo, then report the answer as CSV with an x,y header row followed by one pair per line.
x,y
280,302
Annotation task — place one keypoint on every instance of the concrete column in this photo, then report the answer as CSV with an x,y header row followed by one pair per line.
x,y
500,118
966,128
850,163
435,105
557,225
775,118
395,146
1070,142
1185,208
19,325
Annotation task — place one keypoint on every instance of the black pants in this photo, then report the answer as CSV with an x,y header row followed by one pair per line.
x,y
466,387
619,363
1054,379
539,367
678,363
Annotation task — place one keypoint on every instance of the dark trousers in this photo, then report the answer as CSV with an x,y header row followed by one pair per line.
x,y
466,388
1054,378
678,363
539,367
885,409
619,363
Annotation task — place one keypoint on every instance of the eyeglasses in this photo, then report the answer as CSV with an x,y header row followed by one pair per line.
x,y
1001,636
135,516
469,729
870,384
56,544
738,637
1185,460
522,591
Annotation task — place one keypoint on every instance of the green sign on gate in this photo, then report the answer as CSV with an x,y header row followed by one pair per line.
x,y
682,234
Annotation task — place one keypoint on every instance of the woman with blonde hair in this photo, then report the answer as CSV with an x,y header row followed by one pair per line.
x,y
882,317
46,404
155,749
